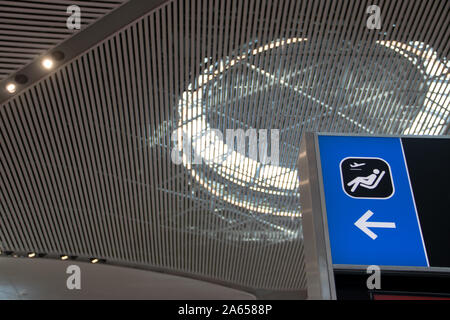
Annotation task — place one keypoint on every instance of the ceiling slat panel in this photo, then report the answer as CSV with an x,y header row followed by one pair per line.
x,y
25,25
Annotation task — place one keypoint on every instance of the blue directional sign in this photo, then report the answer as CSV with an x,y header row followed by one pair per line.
x,y
370,208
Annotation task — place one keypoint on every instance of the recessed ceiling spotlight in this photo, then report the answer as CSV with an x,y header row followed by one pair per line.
x,y
31,255
58,55
11,87
21,79
47,63
95,260
64,257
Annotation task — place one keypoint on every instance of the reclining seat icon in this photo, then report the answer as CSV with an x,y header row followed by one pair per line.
x,y
369,182
364,177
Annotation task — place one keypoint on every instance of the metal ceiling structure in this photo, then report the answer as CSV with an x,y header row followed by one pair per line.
x,y
30,28
87,153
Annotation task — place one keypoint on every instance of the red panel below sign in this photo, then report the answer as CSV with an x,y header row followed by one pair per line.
x,y
405,297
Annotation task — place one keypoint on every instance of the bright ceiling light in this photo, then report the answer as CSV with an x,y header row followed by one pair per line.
x,y
47,63
11,87
231,165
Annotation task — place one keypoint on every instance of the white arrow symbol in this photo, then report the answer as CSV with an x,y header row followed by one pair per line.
x,y
364,225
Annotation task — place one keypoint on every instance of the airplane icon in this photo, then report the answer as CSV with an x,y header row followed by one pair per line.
x,y
356,165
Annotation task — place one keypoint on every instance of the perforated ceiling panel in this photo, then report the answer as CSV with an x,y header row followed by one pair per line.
x,y
30,28
90,167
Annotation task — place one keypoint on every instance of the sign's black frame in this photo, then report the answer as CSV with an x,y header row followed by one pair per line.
x,y
319,266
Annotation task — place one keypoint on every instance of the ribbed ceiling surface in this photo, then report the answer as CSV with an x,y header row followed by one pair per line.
x,y
30,28
86,154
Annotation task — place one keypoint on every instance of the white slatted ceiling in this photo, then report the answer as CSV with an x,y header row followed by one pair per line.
x,y
85,153
30,28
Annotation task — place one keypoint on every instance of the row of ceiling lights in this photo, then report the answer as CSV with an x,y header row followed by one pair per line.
x,y
66,257
62,257
47,63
